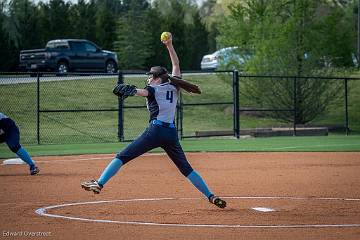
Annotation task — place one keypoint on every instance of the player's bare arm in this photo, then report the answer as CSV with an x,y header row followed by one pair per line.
x,y
141,92
173,56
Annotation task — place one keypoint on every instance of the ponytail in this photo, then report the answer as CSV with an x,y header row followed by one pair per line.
x,y
186,85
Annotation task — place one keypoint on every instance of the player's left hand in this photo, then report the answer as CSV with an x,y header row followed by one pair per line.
x,y
123,90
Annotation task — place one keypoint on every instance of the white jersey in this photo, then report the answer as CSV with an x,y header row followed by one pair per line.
x,y
161,102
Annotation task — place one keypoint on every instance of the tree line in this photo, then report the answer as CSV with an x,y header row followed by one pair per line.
x,y
305,31
132,28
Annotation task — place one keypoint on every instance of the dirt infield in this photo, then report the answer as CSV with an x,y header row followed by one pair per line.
x,y
312,195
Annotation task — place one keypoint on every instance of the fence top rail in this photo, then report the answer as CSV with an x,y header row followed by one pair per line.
x,y
138,72
301,77
46,74
130,72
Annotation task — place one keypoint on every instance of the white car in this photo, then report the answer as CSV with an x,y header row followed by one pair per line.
x,y
222,58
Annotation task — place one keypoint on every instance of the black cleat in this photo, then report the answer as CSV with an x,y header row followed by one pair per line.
x,y
217,201
34,170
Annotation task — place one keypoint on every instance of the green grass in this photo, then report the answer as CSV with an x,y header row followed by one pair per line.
x,y
274,144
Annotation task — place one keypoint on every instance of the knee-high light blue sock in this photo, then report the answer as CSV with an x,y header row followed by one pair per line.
x,y
199,183
23,154
110,171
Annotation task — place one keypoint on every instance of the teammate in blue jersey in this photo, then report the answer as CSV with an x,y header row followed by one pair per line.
x,y
161,98
10,134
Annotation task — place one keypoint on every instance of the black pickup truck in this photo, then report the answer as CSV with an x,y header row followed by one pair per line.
x,y
65,55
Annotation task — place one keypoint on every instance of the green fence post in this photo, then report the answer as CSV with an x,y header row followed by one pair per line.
x,y
295,104
236,104
346,107
38,108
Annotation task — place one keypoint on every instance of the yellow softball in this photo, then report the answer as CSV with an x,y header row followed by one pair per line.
x,y
165,36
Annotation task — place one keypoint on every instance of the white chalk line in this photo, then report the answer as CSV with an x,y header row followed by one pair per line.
x,y
94,158
81,159
312,146
43,212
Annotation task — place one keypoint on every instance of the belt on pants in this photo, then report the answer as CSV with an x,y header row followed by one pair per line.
x,y
161,123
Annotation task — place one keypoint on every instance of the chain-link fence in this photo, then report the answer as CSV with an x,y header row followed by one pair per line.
x,y
74,108
212,112
353,102
77,108
80,108
298,102
18,100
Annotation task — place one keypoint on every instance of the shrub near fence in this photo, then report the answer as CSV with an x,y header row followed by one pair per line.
x,y
286,98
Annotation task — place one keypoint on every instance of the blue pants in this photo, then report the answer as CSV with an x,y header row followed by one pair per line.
x,y
12,138
154,136
158,136
12,134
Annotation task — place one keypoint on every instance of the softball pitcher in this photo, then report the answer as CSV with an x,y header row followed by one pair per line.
x,y
161,95
10,134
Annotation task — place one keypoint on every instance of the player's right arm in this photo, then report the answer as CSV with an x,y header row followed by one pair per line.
x,y
174,57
